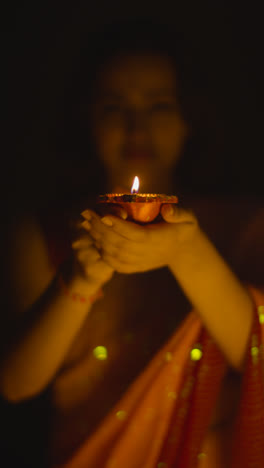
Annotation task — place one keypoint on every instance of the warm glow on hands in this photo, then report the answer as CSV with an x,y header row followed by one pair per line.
x,y
129,248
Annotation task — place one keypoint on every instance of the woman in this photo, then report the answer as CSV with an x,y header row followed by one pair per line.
x,y
135,379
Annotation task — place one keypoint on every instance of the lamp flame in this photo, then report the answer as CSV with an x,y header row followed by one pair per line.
x,y
135,185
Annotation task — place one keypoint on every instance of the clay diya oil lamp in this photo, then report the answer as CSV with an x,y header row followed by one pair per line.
x,y
140,207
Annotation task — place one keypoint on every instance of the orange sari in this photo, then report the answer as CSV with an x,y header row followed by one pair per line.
x,y
162,420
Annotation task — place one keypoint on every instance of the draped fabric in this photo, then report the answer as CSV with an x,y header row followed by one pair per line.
x,y
248,448
162,420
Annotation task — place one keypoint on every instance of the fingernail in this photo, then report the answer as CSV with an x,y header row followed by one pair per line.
x,y
86,225
107,221
86,215
123,214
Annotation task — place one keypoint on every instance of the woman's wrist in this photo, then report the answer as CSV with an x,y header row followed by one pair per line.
x,y
75,284
83,284
78,291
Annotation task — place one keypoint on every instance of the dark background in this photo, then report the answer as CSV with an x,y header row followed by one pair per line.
x,y
42,42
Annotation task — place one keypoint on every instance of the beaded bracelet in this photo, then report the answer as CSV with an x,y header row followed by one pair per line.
x,y
78,297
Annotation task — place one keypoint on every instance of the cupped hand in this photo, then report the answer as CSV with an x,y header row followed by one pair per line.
x,y
87,261
128,247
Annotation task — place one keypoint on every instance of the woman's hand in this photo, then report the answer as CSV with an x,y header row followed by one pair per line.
x,y
128,247
87,261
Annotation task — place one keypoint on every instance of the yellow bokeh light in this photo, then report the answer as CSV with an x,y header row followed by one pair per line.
x,y
196,354
261,319
100,352
254,351
261,314
121,415
172,395
168,356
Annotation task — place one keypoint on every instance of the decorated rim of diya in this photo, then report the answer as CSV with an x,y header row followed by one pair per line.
x,y
137,198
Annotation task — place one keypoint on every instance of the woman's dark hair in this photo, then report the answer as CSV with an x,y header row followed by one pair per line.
x,y
144,36
129,37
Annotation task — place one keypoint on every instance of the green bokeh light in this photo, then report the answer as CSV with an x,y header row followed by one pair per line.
x,y
100,352
196,354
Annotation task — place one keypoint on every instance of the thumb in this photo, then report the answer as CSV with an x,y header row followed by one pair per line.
x,y
173,214
119,211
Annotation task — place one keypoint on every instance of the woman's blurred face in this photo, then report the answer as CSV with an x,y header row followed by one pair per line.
x,y
137,126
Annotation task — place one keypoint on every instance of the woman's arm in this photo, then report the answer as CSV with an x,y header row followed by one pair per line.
x,y
49,320
223,303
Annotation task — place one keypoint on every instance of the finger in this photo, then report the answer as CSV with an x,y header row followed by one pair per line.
x,y
126,229
94,222
120,267
87,214
96,236
82,243
86,225
173,214
90,255
112,209
121,254
90,216
99,231
113,242
78,228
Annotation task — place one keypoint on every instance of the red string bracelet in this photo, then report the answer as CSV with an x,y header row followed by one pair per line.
x,y
78,297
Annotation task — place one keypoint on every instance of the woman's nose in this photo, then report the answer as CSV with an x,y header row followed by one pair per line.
x,y
136,120
136,125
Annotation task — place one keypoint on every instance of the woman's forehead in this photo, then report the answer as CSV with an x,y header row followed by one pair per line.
x,y
153,75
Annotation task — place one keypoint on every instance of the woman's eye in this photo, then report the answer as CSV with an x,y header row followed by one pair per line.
x,y
162,106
